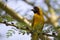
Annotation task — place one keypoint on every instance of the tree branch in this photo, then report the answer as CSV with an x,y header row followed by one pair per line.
x,y
12,13
32,4
53,18
25,28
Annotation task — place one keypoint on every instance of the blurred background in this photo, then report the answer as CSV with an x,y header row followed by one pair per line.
x,y
23,8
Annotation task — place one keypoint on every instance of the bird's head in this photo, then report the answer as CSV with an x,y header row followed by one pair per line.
x,y
36,10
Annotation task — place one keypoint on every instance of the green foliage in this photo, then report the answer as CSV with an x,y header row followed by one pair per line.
x,y
22,31
58,37
10,33
21,24
8,18
1,19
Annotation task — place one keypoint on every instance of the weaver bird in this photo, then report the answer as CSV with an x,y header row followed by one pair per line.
x,y
38,22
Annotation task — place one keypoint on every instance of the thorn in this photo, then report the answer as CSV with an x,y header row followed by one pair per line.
x,y
12,23
4,22
53,33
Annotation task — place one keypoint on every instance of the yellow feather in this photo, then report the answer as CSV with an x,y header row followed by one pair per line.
x,y
38,23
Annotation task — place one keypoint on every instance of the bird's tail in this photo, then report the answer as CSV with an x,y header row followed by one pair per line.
x,y
34,36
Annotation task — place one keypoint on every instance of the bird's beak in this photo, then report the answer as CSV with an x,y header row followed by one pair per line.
x,y
32,9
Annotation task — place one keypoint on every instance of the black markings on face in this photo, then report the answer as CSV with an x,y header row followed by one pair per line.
x,y
36,10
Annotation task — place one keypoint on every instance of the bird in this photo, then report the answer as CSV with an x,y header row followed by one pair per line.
x,y
38,22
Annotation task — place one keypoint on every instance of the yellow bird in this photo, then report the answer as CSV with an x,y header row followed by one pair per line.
x,y
38,22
